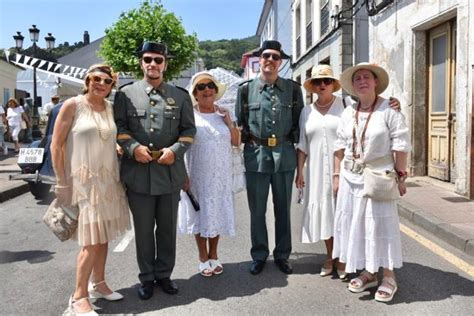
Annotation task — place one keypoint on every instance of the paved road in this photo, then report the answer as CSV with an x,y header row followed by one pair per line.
x,y
37,275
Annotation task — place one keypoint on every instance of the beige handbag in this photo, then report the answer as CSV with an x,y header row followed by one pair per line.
x,y
380,185
61,220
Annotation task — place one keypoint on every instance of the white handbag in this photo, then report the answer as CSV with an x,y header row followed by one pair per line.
x,y
238,170
380,185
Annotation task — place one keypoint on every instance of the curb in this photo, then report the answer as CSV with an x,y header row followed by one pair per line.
x,y
435,226
13,191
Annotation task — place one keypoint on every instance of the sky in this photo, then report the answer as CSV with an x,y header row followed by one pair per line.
x,y
68,19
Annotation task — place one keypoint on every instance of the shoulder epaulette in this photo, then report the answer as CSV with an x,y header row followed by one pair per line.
x,y
298,83
125,84
245,81
181,88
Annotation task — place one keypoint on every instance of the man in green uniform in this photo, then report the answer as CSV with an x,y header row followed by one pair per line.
x,y
268,109
155,127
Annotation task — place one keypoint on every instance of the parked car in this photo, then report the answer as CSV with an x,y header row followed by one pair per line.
x,y
36,165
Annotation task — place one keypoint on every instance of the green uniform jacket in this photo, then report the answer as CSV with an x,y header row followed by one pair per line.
x,y
272,111
155,118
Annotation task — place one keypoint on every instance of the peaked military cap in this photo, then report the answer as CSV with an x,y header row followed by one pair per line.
x,y
153,47
271,44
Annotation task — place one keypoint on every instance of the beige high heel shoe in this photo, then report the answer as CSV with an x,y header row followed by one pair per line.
x,y
93,293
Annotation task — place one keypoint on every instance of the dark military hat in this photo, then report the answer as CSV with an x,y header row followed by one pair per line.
x,y
275,45
153,47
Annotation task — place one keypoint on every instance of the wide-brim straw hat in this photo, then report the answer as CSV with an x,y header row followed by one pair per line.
x,y
321,72
198,77
380,73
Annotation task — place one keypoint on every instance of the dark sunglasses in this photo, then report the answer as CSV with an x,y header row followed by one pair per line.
x,y
267,56
327,81
157,60
201,86
98,79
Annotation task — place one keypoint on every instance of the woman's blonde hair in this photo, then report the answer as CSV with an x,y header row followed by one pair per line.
x,y
12,100
106,69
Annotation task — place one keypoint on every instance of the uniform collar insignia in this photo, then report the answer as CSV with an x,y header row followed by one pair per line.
x,y
171,101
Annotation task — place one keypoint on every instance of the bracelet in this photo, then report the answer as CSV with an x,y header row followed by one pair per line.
x,y
335,174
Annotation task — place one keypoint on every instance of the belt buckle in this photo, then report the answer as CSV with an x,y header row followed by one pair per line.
x,y
272,142
357,167
156,154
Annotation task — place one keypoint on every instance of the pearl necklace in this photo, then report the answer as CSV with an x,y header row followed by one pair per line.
x,y
325,105
104,133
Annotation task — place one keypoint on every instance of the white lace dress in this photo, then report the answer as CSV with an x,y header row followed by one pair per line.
x,y
367,232
91,161
209,165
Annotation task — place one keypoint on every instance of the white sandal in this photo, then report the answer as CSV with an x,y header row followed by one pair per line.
x,y
72,310
216,266
365,281
205,269
388,286
94,294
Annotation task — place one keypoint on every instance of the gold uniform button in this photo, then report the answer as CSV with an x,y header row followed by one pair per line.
x,y
273,135
274,109
152,102
150,145
174,117
154,92
152,116
152,130
273,122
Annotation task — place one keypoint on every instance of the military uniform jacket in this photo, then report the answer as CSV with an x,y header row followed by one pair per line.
x,y
156,118
270,111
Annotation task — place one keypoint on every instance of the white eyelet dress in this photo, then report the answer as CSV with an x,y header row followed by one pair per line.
x,y
91,161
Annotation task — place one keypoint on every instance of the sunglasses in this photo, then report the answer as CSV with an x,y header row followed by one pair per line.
x,y
201,86
157,60
327,81
98,79
267,56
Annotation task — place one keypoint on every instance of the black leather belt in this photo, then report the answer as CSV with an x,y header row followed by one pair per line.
x,y
270,142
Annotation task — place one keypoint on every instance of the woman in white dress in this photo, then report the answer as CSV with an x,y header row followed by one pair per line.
x,y
370,136
209,166
84,157
318,124
15,114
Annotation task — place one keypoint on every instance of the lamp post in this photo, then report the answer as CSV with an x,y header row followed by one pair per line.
x,y
34,36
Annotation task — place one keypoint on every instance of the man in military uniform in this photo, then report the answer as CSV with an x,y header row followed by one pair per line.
x,y
268,110
155,127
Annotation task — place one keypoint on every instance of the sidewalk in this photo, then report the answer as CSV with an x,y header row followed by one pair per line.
x,y
427,204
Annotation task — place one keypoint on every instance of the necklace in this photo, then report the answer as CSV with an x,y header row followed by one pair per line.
x,y
104,133
325,105
356,124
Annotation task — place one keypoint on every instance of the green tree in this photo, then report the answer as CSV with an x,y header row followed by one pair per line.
x,y
149,22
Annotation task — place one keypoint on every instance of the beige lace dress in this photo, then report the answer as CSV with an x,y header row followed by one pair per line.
x,y
91,161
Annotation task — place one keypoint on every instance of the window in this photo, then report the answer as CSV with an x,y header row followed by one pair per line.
x,y
324,5
309,23
298,31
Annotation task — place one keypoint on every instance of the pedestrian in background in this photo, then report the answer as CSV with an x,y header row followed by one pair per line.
x,y
318,125
268,109
370,136
209,165
83,150
3,122
155,124
17,120
49,106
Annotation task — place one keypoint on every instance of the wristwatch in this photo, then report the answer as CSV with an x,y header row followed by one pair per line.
x,y
402,175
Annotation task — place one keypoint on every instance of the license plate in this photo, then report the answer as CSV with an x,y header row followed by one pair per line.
x,y
31,155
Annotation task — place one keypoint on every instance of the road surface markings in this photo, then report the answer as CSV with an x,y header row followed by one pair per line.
x,y
125,241
459,263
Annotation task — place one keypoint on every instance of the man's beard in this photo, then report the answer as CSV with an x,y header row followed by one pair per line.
x,y
154,77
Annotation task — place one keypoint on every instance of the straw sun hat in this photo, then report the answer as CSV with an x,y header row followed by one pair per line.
x,y
198,77
321,72
380,74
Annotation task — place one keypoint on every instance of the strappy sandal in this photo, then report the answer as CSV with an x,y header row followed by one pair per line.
x,y
364,281
72,310
205,269
388,288
327,271
216,266
95,294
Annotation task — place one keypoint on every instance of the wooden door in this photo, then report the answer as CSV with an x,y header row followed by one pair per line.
x,y
441,106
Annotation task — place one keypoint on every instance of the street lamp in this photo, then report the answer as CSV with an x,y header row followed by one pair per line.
x,y
34,36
